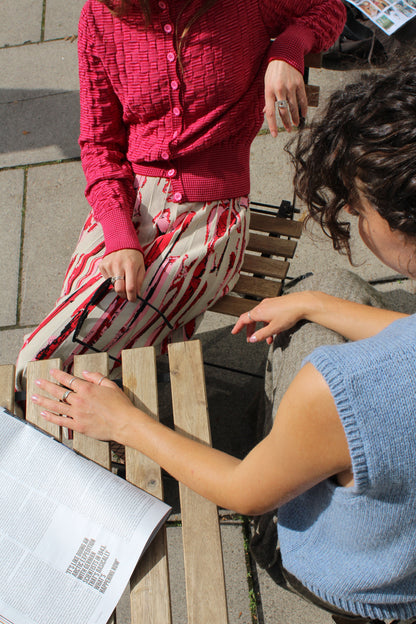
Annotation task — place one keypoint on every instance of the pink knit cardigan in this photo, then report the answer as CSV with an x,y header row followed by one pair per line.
x,y
141,113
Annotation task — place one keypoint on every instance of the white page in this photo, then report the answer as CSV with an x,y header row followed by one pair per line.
x,y
71,532
389,15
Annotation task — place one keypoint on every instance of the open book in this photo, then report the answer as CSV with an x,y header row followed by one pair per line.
x,y
389,15
71,532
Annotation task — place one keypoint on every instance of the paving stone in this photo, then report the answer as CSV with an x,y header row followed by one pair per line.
x,y
11,341
40,105
11,193
56,210
283,607
24,24
61,19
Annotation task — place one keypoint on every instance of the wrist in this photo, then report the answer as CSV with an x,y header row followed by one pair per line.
x,y
311,305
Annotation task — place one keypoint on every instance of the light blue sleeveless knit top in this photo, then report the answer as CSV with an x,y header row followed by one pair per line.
x,y
356,547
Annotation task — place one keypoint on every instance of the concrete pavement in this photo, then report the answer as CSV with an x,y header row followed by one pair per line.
x,y
42,211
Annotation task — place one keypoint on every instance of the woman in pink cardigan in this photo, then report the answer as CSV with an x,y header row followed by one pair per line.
x,y
172,95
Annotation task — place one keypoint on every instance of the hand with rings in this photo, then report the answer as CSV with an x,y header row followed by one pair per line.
x,y
126,269
93,405
285,86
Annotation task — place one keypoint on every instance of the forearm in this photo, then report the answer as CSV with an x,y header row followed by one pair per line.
x,y
211,473
352,320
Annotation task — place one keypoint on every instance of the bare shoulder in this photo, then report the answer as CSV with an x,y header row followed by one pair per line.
x,y
308,421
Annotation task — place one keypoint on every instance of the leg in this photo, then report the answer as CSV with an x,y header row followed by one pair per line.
x,y
193,253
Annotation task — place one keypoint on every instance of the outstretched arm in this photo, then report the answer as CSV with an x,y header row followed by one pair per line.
x,y
306,445
354,321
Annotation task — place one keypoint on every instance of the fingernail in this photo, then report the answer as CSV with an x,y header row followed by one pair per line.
x,y
38,382
253,338
35,399
44,414
274,133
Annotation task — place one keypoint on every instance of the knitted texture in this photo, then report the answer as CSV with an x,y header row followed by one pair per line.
x,y
141,113
356,547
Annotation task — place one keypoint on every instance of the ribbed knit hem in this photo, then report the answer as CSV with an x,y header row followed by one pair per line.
x,y
291,47
119,231
221,172
373,611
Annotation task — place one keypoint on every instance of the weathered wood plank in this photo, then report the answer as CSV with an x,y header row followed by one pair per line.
x,y
271,245
312,94
149,584
271,267
204,573
233,305
7,372
37,370
275,225
93,449
257,287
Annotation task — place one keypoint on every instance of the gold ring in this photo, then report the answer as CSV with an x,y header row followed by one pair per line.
x,y
102,378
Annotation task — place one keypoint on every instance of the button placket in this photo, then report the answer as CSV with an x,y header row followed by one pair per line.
x,y
174,89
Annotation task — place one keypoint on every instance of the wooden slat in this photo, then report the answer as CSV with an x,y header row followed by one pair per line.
x,y
233,305
93,449
204,573
269,267
312,94
7,372
271,245
257,287
149,584
37,370
275,225
313,59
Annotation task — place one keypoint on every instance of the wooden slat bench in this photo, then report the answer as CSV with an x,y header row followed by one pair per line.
x,y
272,243
204,574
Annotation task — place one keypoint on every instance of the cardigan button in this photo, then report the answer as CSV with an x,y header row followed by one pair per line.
x,y
167,28
177,197
170,56
174,84
162,5
171,173
176,111
165,155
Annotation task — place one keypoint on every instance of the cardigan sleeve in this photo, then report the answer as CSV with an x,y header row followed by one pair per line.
x,y
302,26
103,143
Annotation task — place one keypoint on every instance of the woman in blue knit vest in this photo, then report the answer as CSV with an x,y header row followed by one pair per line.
x,y
339,460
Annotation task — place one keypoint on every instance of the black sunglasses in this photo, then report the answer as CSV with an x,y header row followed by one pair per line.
x,y
99,294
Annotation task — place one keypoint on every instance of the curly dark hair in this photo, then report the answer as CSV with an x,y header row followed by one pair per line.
x,y
366,136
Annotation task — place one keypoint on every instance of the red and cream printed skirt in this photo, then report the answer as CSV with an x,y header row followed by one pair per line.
x,y
193,254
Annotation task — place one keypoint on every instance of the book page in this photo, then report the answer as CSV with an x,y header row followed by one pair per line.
x,y
71,532
389,15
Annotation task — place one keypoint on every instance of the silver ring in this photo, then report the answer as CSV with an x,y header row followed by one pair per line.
x,y
249,316
102,378
282,104
71,381
115,278
66,395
